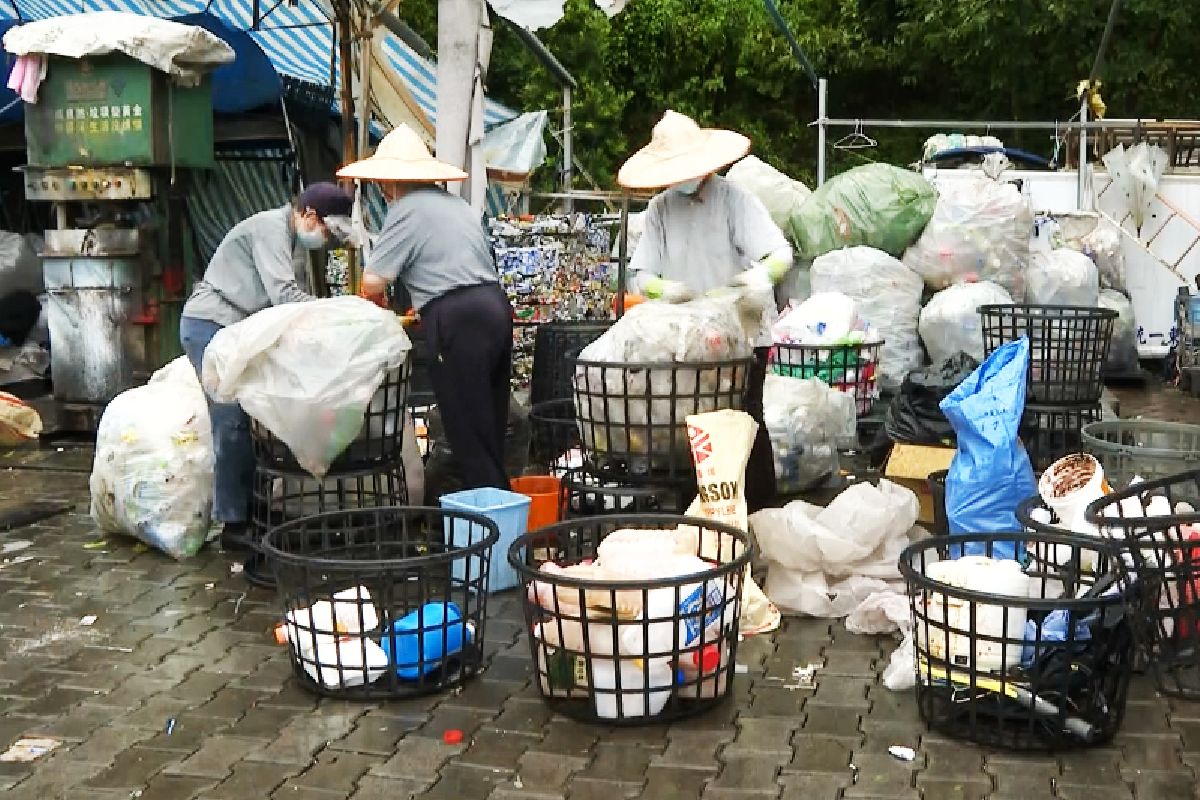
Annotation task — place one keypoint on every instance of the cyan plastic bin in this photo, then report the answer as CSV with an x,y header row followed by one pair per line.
x,y
510,512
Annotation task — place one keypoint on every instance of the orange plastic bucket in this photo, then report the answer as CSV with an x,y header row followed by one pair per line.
x,y
543,492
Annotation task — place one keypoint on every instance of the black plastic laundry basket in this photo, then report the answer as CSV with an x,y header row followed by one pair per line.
x,y
586,494
852,368
554,432
990,667
1051,432
556,345
419,625
1068,347
379,442
1157,527
632,416
632,652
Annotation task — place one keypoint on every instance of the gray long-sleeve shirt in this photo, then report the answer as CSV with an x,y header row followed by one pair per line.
x,y
258,264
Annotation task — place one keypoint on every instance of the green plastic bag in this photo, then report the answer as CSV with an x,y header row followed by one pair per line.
x,y
876,205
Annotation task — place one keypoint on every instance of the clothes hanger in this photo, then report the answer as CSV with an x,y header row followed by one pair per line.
x,y
856,140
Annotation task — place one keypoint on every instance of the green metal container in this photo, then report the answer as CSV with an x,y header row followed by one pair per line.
x,y
116,111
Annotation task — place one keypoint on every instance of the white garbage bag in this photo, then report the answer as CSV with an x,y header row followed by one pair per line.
x,y
888,295
1122,350
979,232
780,194
152,477
1062,277
307,371
950,322
826,561
807,421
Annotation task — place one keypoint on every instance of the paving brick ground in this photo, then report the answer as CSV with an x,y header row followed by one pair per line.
x,y
191,642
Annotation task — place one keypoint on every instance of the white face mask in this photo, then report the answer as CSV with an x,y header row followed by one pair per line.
x,y
688,187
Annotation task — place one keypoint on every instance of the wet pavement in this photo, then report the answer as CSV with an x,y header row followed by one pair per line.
x,y
192,643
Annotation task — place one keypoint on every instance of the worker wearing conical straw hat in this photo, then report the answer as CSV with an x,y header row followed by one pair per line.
x,y
434,244
703,234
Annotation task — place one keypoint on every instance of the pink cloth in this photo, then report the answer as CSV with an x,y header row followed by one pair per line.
x,y
27,75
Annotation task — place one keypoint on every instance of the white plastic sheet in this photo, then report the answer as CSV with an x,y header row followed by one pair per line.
x,y
307,371
517,147
152,477
824,562
781,195
979,232
1136,172
889,297
887,612
950,321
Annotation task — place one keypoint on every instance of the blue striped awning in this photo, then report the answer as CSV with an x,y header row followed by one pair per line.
x,y
296,35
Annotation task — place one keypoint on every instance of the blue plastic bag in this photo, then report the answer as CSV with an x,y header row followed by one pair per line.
x,y
990,474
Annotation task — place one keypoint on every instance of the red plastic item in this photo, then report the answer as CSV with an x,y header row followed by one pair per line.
x,y
707,659
453,736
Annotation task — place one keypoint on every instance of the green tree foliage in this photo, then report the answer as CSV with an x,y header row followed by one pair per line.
x,y
724,63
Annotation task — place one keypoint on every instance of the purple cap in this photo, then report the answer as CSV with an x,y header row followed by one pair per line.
x,y
327,199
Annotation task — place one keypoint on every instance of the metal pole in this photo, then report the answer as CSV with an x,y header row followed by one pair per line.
x,y
365,45
568,206
1083,159
623,257
822,103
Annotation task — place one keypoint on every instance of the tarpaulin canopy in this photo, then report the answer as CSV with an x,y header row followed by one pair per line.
x,y
297,38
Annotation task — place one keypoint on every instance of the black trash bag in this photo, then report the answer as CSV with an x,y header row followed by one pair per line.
x,y
913,416
19,312
442,474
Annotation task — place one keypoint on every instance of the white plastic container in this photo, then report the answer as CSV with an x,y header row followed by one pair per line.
x,y
697,620
329,634
952,616
630,702
1069,486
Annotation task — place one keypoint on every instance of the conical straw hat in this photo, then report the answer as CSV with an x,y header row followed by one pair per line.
x,y
680,150
402,156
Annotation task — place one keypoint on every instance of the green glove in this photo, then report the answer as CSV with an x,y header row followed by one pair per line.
x,y
657,288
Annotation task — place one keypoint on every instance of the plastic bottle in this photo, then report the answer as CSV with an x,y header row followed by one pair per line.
x,y
442,634
631,700
328,639
671,624
695,666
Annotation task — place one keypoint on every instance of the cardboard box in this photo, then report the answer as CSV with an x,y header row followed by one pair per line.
x,y
910,465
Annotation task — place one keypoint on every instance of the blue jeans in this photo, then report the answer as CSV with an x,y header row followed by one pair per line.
x,y
234,472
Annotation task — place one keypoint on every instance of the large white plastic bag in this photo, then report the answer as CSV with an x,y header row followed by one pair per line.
x,y
979,232
1062,277
826,561
307,371
1122,351
889,299
152,477
781,195
950,321
822,319
807,421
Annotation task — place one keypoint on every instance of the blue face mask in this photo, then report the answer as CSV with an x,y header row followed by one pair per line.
x,y
311,240
688,187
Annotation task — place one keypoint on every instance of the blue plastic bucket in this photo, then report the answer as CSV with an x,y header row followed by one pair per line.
x,y
510,512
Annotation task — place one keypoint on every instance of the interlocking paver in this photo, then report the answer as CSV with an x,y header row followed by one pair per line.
x,y
820,754
568,738
668,783
374,788
814,786
742,770
251,780
417,757
457,782
580,788
132,768
953,790
619,763
264,722
692,749
765,735
335,772
1178,785
547,771
214,759
377,733
175,787
882,775
199,686
496,751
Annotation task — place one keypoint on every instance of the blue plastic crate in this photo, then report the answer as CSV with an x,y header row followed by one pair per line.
x,y
510,512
